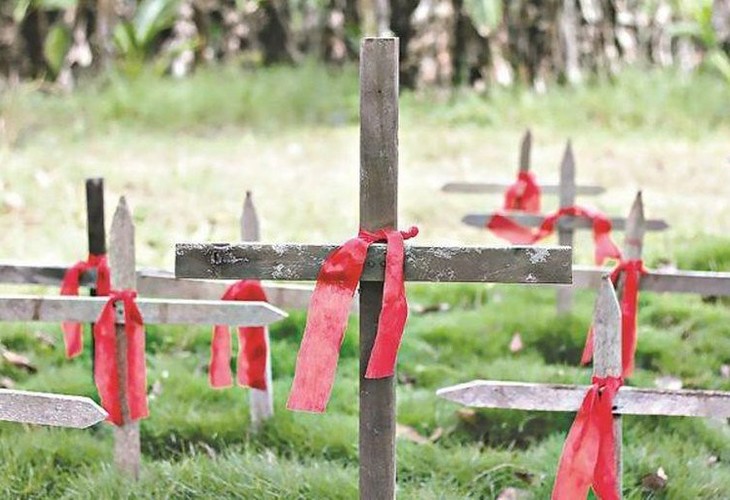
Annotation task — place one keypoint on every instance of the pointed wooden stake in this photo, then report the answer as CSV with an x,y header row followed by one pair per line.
x,y
261,401
525,150
635,229
566,234
127,448
43,408
607,352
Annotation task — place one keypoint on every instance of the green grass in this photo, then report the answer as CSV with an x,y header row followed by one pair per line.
x,y
184,152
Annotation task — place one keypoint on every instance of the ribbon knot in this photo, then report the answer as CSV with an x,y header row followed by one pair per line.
x,y
107,371
72,336
524,194
252,344
329,309
588,458
605,248
632,271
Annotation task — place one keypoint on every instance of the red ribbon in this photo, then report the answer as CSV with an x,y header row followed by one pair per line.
x,y
605,248
328,312
589,458
632,271
252,346
105,359
524,194
70,286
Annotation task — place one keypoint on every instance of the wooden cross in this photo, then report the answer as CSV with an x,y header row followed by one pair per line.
x,y
606,362
378,210
524,166
154,311
42,408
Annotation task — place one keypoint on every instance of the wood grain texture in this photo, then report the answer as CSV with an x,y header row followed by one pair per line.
x,y
95,216
378,210
565,235
261,402
43,408
46,308
618,224
127,443
295,262
557,397
525,151
499,187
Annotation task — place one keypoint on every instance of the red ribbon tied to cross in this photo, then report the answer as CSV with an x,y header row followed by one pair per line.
x,y
252,345
632,271
504,227
106,370
524,194
70,286
589,457
329,309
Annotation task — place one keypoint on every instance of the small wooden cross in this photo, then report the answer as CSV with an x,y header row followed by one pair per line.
x,y
154,311
42,408
378,210
524,166
606,362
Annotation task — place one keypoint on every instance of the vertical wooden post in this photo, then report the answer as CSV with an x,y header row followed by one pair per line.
x,y
261,402
607,352
566,234
95,230
635,230
127,448
378,209
525,151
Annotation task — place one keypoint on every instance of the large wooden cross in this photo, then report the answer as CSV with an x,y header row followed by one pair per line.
x,y
378,210
606,362
154,311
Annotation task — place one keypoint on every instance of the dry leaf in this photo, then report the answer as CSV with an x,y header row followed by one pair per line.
x,y
713,460
513,494
431,308
725,371
409,434
45,339
156,389
467,415
516,344
655,481
668,382
436,434
19,360
7,383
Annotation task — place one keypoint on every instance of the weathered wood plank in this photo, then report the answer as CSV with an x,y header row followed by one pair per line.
x,y
530,220
127,442
565,235
154,311
378,210
95,216
696,282
26,274
558,397
43,408
294,262
261,402
499,187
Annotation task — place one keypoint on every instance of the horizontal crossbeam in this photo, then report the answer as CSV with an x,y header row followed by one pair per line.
x,y
49,409
154,311
445,264
554,397
501,187
699,282
530,220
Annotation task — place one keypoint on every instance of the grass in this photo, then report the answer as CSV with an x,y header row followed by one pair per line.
x,y
185,151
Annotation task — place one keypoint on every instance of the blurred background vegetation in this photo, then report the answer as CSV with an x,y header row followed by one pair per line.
x,y
444,43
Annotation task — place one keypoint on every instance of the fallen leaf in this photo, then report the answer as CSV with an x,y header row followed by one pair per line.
x,y
431,308
725,371
668,382
156,389
655,481
516,344
467,415
7,383
513,494
19,360
45,339
409,434
713,460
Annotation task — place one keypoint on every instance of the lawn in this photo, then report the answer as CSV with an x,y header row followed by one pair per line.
x,y
184,152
